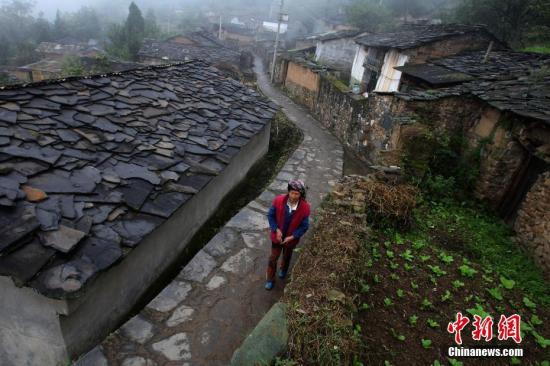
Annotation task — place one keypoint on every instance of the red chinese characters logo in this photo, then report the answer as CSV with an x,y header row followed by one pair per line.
x,y
508,327
457,326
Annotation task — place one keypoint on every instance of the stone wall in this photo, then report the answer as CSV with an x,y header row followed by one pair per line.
x,y
302,84
533,222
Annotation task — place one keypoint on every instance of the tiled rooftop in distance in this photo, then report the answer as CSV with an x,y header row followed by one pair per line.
x,y
90,166
411,35
202,46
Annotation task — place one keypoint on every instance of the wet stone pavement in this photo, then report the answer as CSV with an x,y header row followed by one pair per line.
x,y
218,298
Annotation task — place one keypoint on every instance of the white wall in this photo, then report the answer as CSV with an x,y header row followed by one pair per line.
x,y
338,53
357,69
389,77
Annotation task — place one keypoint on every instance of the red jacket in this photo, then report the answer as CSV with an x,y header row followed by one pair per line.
x,y
302,211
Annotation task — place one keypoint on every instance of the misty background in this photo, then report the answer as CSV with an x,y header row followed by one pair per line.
x,y
119,27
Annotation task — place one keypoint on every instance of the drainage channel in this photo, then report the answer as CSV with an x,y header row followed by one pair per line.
x,y
284,139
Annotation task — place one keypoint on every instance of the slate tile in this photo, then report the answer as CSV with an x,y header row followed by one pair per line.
x,y
16,223
63,239
46,154
136,192
127,171
24,263
8,116
165,204
133,230
78,181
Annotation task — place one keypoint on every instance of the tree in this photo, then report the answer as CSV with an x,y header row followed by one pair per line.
x,y
510,20
59,26
84,24
152,30
369,15
135,30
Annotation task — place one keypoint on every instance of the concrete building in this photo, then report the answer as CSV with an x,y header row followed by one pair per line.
x,y
103,182
378,55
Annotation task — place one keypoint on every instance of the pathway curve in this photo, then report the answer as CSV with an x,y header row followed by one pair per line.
x,y
218,298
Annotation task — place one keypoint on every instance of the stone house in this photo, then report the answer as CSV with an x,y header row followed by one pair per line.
x,y
500,105
104,180
378,54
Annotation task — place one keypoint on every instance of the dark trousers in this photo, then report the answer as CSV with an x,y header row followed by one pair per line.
x,y
276,250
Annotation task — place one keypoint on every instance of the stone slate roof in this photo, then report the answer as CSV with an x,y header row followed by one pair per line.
x,y
90,166
434,75
204,48
509,81
412,35
62,48
328,36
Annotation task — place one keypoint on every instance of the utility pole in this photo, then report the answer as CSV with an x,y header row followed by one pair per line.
x,y
220,29
277,41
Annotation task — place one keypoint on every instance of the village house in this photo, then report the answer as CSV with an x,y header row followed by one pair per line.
x,y
53,68
198,45
500,102
236,34
378,54
103,182
336,49
69,46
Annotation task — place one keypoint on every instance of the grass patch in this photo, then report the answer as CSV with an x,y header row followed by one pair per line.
x,y
401,287
537,49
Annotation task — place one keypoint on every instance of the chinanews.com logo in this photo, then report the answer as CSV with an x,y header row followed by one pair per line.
x,y
508,327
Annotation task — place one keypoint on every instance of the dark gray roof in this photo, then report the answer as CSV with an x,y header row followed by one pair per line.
x,y
116,155
335,35
204,47
411,36
509,81
434,75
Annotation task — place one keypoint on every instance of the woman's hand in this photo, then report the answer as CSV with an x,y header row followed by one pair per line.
x,y
288,239
279,235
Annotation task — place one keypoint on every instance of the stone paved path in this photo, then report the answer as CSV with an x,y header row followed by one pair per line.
x,y
218,298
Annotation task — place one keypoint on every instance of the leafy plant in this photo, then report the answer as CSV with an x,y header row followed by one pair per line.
x,y
414,285
394,276
495,292
426,343
467,271
446,296
365,306
447,259
457,284
400,293
432,323
506,283
388,301
530,304
419,244
425,258
426,304
394,265
408,266
454,362
413,319
478,310
535,320
390,254
543,342
437,271
407,255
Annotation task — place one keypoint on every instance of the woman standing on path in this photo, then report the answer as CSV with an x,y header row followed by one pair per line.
x,y
288,220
